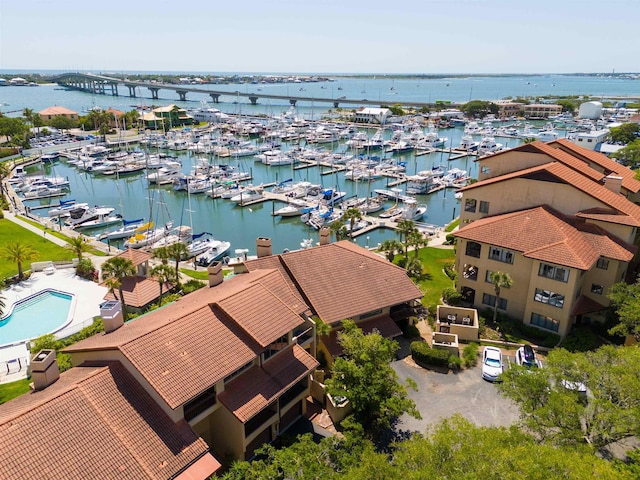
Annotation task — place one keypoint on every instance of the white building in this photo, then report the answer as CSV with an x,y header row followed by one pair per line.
x,y
590,110
372,115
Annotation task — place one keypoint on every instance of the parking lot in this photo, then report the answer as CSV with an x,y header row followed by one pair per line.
x,y
441,395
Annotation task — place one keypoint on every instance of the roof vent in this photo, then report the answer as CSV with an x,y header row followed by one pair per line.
x,y
44,369
215,274
613,183
325,235
264,248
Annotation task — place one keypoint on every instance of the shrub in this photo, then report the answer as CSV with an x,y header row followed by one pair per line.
x,y
426,356
450,239
470,355
449,270
581,339
455,362
85,269
411,331
192,286
452,297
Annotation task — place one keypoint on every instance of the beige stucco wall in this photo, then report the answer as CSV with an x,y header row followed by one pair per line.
x,y
507,162
225,433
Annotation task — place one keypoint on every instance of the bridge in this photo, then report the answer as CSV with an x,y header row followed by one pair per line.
x,y
102,85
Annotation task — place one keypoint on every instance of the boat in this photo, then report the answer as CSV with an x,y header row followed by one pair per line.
x,y
181,233
49,157
216,250
420,183
394,194
129,228
412,211
468,144
249,194
100,220
65,206
164,175
148,236
293,209
89,217
199,243
488,145
43,192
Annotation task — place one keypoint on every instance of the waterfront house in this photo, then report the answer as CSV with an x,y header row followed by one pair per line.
x,y
171,115
51,112
561,220
538,111
372,115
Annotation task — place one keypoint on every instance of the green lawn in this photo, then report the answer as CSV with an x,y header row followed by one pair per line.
x,y
47,250
13,389
433,260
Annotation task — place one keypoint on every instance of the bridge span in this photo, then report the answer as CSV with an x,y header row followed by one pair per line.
x,y
102,85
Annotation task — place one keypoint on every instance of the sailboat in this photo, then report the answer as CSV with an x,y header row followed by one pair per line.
x,y
129,228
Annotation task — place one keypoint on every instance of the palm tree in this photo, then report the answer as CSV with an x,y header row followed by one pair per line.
x,y
79,245
406,228
19,253
163,254
163,274
500,280
177,251
115,270
392,247
352,215
417,240
338,229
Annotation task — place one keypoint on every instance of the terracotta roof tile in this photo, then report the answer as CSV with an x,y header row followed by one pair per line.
x,y
330,278
586,305
108,427
260,313
139,291
57,110
252,391
547,235
135,255
607,215
384,325
599,192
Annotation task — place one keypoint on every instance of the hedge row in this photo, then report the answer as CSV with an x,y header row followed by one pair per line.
x,y
424,355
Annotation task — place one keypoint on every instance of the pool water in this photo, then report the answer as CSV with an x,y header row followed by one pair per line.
x,y
42,313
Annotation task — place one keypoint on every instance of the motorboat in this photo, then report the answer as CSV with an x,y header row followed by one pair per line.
x,y
250,194
488,145
412,211
65,206
215,249
293,209
43,192
199,243
100,220
468,144
85,216
420,183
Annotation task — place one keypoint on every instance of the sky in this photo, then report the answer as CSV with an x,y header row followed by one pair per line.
x,y
322,36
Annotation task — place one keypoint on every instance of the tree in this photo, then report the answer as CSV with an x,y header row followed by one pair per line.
x,y
115,270
417,240
629,155
338,229
18,253
79,245
553,408
351,216
177,251
567,105
500,280
405,229
62,123
162,254
479,108
391,247
5,172
625,301
14,129
625,133
364,376
163,274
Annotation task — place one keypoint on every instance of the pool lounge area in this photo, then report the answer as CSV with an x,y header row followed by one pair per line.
x,y
76,301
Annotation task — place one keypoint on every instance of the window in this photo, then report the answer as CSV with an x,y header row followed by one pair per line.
x,y
470,205
470,272
603,263
597,289
484,207
485,170
487,278
501,255
553,272
546,296
490,300
542,321
275,347
473,249
199,404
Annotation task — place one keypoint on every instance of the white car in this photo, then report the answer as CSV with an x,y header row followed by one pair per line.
x,y
492,365
526,357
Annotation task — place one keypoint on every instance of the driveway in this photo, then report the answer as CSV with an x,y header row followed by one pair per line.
x,y
441,395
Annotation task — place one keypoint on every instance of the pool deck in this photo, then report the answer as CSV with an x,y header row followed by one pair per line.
x,y
88,297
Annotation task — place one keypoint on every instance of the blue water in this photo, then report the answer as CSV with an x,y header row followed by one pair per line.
x,y
43,313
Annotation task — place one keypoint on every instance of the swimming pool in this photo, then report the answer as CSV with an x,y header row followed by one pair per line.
x,y
44,312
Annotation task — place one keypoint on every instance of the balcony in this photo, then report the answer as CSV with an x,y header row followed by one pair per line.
x,y
460,321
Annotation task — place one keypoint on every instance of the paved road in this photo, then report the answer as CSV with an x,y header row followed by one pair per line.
x,y
442,395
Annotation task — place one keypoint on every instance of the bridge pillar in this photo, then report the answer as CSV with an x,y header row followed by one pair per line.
x,y
154,92
114,88
336,104
253,99
215,97
292,102
132,90
182,94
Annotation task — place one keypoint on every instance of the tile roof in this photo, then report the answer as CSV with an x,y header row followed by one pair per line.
x,y
607,215
135,255
586,305
265,325
187,346
546,235
384,325
252,391
569,176
336,280
106,426
57,110
139,291
608,165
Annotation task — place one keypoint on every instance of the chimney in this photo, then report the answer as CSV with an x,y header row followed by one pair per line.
x,y
613,183
215,274
325,236
263,247
44,369
111,313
